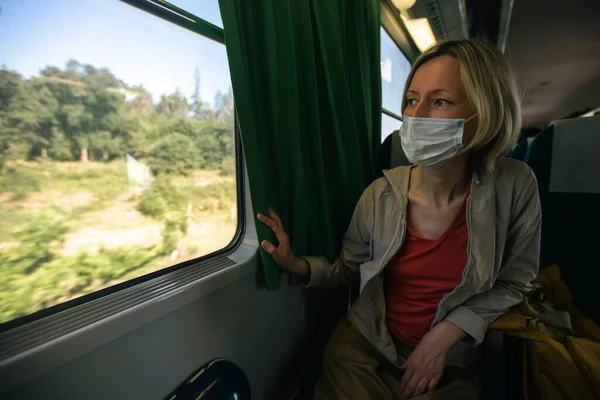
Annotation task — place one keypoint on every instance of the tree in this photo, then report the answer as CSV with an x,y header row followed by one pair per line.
x,y
142,135
73,71
38,238
173,105
89,100
60,147
46,108
223,107
103,146
50,72
18,119
10,93
10,89
175,154
199,109
219,103
228,107
82,111
141,104
75,123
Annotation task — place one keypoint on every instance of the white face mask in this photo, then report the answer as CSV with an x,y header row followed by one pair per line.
x,y
431,142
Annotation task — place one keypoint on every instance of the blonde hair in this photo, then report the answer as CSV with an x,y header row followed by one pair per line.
x,y
492,89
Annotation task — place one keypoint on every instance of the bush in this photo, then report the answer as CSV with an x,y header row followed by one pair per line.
x,y
68,276
161,198
221,195
105,180
176,226
227,166
223,192
17,151
176,154
60,147
106,266
38,238
19,183
153,205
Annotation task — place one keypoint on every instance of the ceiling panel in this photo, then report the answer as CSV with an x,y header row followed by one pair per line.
x,y
555,47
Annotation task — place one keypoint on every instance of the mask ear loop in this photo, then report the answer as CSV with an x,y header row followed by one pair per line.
x,y
470,118
467,120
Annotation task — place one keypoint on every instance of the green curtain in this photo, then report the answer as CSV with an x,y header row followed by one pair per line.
x,y
306,83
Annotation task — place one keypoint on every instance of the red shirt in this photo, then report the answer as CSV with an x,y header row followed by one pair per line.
x,y
420,275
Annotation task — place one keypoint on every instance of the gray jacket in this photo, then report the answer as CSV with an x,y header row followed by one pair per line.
x,y
504,221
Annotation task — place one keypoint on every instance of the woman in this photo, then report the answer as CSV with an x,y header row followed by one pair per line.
x,y
442,248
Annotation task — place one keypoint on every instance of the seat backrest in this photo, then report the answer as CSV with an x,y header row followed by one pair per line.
x,y
565,158
539,158
520,150
391,154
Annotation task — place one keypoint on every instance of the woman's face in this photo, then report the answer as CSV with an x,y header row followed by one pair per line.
x,y
437,91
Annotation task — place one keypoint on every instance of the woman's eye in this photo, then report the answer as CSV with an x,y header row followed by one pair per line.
x,y
441,102
412,102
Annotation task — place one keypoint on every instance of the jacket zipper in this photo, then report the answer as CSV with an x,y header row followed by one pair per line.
x,y
462,283
398,237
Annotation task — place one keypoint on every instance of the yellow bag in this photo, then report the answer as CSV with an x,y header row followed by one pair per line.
x,y
561,346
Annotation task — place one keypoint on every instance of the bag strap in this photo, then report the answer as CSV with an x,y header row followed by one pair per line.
x,y
535,305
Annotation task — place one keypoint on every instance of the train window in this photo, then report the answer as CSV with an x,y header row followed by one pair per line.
x,y
207,9
388,125
117,149
394,70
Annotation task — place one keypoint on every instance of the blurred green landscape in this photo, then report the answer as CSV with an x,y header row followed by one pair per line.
x,y
72,219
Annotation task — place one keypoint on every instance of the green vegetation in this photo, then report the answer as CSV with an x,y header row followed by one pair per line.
x,y
161,198
34,278
18,183
82,113
34,271
64,189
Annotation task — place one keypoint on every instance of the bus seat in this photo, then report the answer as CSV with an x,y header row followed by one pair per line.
x,y
539,158
565,158
520,150
390,154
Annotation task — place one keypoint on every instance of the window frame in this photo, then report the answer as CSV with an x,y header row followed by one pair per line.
x,y
390,18
181,18
384,110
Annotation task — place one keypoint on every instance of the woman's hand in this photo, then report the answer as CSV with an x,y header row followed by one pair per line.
x,y
424,367
282,254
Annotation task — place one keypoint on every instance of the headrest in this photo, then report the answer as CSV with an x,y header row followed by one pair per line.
x,y
397,156
576,156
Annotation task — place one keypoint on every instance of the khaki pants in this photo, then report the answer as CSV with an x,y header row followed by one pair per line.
x,y
354,370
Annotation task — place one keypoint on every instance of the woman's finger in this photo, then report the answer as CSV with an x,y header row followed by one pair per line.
x,y
268,246
408,373
422,385
275,217
412,385
433,383
263,218
271,224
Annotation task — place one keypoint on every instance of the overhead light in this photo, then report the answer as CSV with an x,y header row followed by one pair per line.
x,y
420,31
404,5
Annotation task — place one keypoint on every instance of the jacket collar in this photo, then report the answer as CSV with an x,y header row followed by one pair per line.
x,y
399,179
481,218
